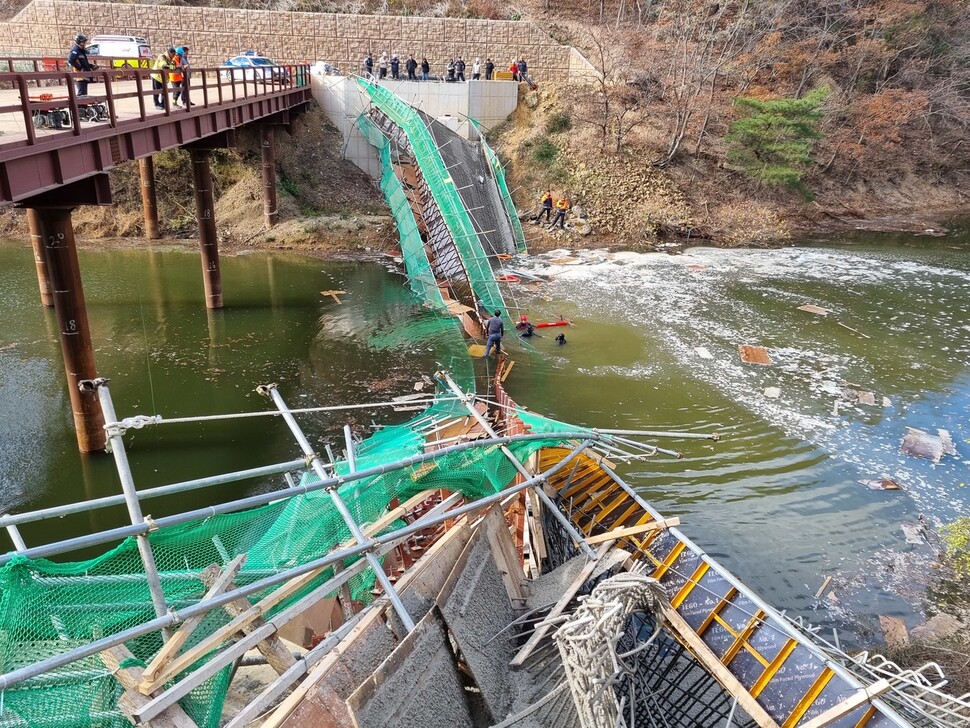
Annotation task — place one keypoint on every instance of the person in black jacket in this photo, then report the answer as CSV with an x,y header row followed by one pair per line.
x,y
78,60
425,70
411,65
460,68
489,69
395,67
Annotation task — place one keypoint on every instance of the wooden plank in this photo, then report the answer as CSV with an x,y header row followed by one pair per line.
x,y
815,309
719,671
272,648
244,619
854,701
538,531
506,368
334,295
130,678
543,627
171,648
617,533
505,556
754,354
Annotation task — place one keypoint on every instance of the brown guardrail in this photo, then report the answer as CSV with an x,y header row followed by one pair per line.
x,y
48,102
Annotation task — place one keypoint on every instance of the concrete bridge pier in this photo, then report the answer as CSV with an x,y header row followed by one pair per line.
x,y
205,215
40,262
270,212
50,218
149,203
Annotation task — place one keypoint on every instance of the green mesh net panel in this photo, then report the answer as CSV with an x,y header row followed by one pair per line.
x,y
420,278
443,191
499,173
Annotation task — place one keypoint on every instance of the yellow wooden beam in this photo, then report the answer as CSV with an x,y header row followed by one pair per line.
x,y
618,533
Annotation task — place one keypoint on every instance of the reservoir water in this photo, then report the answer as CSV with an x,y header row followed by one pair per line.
x,y
778,499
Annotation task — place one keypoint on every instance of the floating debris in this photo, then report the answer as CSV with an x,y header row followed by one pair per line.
x,y
882,484
894,630
773,392
754,354
815,309
703,353
921,444
333,294
913,533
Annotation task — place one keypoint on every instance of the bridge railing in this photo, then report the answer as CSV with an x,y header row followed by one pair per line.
x,y
36,106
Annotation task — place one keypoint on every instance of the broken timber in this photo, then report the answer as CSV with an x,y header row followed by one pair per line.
x,y
754,354
132,700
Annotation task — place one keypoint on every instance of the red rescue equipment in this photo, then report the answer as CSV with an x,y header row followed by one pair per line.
x,y
508,279
552,323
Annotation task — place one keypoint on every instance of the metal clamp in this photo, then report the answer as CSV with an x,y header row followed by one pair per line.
x,y
265,389
91,385
152,525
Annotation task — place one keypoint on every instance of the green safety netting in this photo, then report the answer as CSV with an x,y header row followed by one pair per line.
x,y
420,278
443,191
47,608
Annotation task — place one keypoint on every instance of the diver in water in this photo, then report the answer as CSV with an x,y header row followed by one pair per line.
x,y
561,339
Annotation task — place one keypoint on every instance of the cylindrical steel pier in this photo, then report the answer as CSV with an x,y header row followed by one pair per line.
x,y
146,172
205,214
60,255
40,262
270,212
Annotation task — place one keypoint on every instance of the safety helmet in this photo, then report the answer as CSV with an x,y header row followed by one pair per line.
x,y
80,38
524,318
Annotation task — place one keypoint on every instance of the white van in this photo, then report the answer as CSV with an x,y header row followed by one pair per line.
x,y
128,51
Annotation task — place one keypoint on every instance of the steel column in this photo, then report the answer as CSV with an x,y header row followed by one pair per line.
x,y
40,263
270,211
60,256
205,215
149,204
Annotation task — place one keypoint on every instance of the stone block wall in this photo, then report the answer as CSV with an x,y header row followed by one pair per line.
x,y
46,27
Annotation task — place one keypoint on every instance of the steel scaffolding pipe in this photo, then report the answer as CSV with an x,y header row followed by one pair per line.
x,y
117,447
171,619
117,500
339,504
122,532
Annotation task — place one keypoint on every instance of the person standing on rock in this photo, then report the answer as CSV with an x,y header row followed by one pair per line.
x,y
546,207
425,69
489,69
396,67
494,330
562,207
411,65
460,69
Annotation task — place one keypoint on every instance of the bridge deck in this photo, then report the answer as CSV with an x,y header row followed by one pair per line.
x,y
118,122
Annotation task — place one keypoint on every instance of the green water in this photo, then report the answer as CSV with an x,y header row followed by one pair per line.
x,y
777,500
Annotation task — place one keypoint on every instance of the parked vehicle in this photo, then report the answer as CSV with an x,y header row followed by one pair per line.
x,y
127,51
250,65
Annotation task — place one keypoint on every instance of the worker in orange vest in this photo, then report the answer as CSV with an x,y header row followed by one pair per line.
x,y
562,207
545,207
176,78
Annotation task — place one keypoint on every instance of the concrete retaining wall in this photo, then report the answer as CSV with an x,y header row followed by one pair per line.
x,y
46,27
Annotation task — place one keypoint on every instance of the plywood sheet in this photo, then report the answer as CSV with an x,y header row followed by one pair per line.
x,y
754,354
815,309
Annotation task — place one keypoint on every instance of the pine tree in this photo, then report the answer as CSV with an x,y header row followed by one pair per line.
x,y
772,140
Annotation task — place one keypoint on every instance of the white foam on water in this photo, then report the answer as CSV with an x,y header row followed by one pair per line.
x,y
718,299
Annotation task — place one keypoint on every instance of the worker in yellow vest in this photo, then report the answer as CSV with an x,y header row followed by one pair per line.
x,y
562,207
164,62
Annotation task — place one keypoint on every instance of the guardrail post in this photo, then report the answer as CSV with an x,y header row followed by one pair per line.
x,y
146,173
270,210
205,215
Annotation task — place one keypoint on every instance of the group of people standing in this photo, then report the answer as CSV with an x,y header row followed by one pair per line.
x,y
176,62
455,68
545,208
